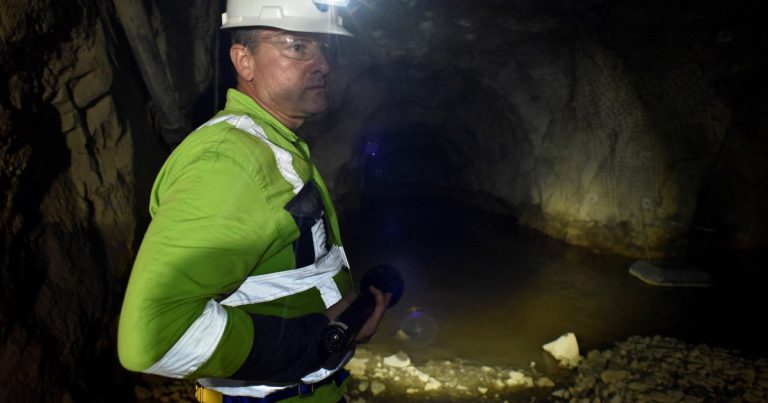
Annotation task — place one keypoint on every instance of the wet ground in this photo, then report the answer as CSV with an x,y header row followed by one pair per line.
x,y
483,289
484,294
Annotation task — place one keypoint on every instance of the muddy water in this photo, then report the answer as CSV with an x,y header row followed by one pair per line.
x,y
483,289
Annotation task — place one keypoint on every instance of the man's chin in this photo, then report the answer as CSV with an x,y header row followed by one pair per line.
x,y
318,104
314,111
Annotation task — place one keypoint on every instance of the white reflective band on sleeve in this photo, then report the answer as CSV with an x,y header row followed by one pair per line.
x,y
318,238
344,260
263,288
269,287
329,292
284,158
195,346
323,373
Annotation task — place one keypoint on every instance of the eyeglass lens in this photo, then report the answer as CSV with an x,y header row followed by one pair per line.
x,y
302,47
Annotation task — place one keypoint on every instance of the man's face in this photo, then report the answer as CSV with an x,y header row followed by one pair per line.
x,y
289,75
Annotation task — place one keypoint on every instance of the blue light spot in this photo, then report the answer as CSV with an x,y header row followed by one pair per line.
x,y
371,148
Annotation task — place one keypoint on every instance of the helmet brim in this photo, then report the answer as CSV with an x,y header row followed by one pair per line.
x,y
295,24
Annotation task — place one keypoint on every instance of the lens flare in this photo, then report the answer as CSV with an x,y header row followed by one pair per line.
x,y
418,329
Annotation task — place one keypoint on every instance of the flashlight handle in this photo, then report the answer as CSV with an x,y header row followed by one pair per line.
x,y
339,334
358,312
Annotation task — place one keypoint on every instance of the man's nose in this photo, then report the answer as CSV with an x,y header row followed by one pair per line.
x,y
321,64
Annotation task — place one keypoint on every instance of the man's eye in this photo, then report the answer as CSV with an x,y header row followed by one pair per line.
x,y
297,46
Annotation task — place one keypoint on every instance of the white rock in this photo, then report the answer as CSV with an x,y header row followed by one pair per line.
x,y
482,390
422,376
518,379
402,336
565,350
362,386
433,384
399,360
561,393
544,382
356,366
411,391
377,387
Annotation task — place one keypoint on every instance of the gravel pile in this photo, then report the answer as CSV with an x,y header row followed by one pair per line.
x,y
640,369
662,369
395,379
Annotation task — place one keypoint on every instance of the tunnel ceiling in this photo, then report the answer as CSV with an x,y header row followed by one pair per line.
x,y
605,124
628,127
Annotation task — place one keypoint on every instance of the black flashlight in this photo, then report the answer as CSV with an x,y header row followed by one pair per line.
x,y
338,335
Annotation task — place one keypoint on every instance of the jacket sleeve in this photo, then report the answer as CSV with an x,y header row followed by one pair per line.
x,y
212,224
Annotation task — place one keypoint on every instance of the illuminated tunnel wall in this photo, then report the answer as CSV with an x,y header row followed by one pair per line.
x,y
605,128
628,127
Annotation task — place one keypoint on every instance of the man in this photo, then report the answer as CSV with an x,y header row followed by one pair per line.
x,y
242,267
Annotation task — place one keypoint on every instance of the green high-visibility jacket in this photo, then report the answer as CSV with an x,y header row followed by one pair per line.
x,y
221,245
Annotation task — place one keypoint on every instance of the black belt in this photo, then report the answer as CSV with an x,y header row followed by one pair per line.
x,y
302,389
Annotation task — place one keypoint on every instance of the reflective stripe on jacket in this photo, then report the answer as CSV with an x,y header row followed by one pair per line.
x,y
220,247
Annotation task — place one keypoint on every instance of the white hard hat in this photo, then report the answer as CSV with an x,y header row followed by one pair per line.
x,y
318,16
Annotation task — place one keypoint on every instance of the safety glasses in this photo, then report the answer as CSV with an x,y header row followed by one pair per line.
x,y
300,47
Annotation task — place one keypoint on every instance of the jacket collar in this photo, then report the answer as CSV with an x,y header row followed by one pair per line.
x,y
239,102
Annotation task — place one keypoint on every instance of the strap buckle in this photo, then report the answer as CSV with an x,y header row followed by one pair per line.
x,y
305,390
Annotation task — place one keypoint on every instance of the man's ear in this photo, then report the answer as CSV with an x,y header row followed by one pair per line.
x,y
242,61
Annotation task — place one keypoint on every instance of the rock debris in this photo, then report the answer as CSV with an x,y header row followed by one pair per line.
x,y
640,369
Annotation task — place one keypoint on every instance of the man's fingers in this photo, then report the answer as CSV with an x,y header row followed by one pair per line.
x,y
382,300
387,299
381,297
370,326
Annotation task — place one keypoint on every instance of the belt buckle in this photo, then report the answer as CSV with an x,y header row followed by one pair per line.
x,y
306,389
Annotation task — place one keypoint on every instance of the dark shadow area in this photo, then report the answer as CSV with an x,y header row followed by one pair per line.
x,y
49,158
27,266
409,154
499,291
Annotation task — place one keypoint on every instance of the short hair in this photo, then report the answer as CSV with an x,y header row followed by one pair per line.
x,y
248,37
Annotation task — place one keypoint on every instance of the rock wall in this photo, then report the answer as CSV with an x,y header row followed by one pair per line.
x,y
598,123
630,128
79,153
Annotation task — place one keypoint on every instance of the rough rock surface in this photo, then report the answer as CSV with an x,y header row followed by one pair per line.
x,y
662,369
68,215
598,123
79,153
617,125
639,369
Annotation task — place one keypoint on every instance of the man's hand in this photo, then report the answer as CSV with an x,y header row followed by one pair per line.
x,y
370,326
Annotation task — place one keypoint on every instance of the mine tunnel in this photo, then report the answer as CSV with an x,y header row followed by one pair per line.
x,y
591,172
